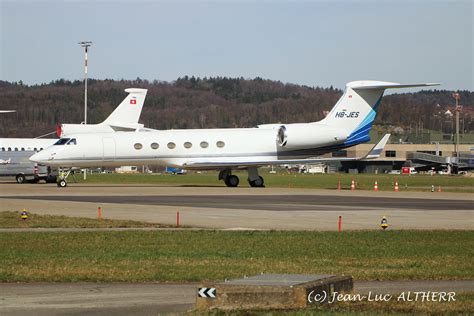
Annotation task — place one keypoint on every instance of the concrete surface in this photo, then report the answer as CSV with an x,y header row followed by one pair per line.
x,y
271,291
95,299
154,298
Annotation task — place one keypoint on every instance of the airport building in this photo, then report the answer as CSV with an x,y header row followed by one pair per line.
x,y
423,157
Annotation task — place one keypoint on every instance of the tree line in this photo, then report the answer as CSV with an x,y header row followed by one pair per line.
x,y
191,102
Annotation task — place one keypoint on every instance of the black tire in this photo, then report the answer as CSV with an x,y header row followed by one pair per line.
x,y
257,183
62,183
20,178
232,181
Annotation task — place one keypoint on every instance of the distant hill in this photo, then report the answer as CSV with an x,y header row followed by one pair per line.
x,y
191,102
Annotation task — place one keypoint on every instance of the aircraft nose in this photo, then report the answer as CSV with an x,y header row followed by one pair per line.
x,y
42,157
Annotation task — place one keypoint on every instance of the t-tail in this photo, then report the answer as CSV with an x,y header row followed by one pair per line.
x,y
356,110
124,118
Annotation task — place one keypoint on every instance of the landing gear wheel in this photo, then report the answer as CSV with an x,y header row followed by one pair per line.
x,y
232,181
20,178
62,183
257,183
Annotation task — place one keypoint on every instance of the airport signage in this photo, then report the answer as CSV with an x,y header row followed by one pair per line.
x,y
207,292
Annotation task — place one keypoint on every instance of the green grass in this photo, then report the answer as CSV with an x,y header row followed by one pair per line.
x,y
142,256
283,179
13,220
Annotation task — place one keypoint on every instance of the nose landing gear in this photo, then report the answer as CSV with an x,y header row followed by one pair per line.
x,y
62,178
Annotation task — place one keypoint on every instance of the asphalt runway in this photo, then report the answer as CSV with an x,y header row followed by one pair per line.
x,y
155,298
246,208
268,202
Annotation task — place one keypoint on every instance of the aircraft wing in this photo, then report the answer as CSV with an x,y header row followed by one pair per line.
x,y
203,164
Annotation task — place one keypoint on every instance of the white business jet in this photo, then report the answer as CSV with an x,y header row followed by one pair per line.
x,y
123,118
348,124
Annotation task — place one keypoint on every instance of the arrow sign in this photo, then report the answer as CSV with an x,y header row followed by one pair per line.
x,y
207,292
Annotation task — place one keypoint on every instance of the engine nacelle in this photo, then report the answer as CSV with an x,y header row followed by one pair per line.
x,y
308,135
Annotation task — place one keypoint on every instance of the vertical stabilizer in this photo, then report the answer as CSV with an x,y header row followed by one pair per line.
x,y
356,110
128,112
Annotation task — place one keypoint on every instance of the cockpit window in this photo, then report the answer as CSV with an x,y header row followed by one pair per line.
x,y
72,142
62,141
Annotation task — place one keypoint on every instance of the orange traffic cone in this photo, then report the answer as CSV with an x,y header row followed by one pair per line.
x,y
353,186
396,186
376,186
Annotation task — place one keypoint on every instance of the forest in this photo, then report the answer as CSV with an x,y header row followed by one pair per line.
x,y
191,102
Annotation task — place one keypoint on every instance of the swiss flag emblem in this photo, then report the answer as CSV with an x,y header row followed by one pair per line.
x,y
133,101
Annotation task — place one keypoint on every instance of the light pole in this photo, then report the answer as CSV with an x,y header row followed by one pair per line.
x,y
456,97
86,45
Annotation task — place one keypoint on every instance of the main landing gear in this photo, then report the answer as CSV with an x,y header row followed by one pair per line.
x,y
255,181
232,181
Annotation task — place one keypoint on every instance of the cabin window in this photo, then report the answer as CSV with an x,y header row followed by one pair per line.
x,y
41,148
204,144
138,146
71,142
35,149
220,144
22,148
154,146
61,141
171,145
16,148
3,148
9,149
188,145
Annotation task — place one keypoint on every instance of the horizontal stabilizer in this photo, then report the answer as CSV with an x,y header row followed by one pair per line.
x,y
120,126
370,84
377,150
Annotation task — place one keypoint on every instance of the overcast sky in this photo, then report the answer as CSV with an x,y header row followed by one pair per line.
x,y
316,43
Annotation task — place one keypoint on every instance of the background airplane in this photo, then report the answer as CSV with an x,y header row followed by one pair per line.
x,y
347,124
6,161
123,118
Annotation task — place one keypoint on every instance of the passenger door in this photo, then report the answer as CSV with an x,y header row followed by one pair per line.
x,y
109,149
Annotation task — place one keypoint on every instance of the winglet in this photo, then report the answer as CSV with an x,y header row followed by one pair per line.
x,y
375,152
